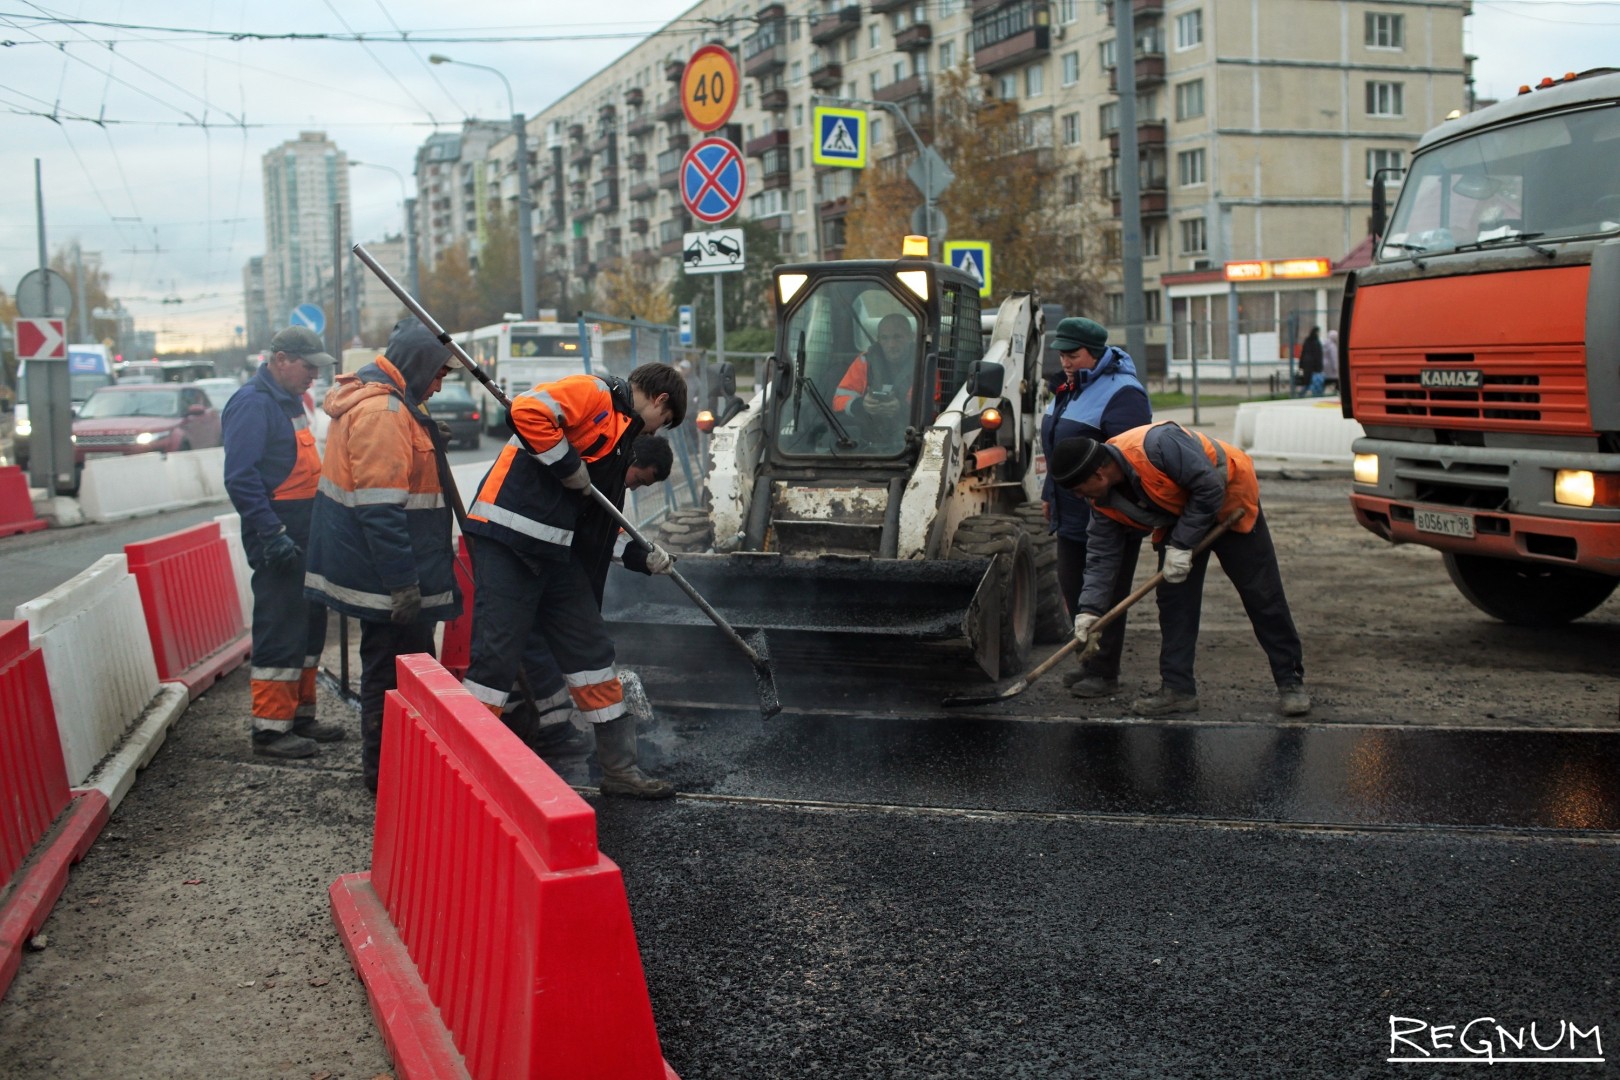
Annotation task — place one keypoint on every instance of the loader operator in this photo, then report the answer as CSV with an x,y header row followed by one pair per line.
x,y
1100,397
528,580
1177,484
876,389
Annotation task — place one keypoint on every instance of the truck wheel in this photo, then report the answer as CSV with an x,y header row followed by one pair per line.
x,y
1052,621
690,531
1002,537
1527,593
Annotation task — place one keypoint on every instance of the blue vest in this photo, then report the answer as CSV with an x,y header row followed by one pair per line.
x,y
1081,411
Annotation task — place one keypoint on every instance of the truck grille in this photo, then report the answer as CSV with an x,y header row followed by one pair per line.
x,y
1502,397
1518,390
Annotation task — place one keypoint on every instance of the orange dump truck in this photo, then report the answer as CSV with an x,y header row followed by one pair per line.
x,y
1481,353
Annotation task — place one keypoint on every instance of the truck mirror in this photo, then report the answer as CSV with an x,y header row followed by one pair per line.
x,y
781,376
987,381
1380,208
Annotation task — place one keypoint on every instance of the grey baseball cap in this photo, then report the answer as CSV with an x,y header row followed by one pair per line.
x,y
302,341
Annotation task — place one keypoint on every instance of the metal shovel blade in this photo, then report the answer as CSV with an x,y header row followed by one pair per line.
x,y
764,675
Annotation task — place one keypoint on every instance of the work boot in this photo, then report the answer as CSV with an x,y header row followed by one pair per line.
x,y
1075,674
282,744
1164,701
559,740
1292,700
1094,686
616,750
310,728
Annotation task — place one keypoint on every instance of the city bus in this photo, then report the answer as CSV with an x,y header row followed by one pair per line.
x,y
517,355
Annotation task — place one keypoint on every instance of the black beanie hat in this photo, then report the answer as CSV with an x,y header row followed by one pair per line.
x,y
1076,458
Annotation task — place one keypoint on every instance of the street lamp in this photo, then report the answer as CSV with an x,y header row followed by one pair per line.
x,y
410,232
525,231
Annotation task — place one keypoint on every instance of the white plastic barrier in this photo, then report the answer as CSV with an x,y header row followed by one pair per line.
x,y
103,678
116,487
230,527
1301,430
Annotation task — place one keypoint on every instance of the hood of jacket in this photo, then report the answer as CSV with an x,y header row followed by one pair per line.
x,y
377,379
417,355
1114,361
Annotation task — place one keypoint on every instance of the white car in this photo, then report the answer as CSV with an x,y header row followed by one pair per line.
x,y
219,391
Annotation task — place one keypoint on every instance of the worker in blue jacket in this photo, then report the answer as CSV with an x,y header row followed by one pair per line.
x,y
272,469
1100,397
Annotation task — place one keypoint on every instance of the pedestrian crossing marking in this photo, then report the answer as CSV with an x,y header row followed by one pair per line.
x,y
840,137
972,257
838,140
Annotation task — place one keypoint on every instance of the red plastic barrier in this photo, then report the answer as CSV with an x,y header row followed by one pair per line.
x,y
455,652
16,505
488,913
193,613
44,826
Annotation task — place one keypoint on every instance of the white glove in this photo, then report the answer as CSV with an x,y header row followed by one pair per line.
x,y
1177,564
1083,623
659,561
580,480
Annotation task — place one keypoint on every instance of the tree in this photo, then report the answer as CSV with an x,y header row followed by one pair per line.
x,y
449,292
1044,219
96,298
633,287
498,277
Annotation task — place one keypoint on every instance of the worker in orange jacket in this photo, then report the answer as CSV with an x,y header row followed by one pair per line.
x,y
528,582
1177,484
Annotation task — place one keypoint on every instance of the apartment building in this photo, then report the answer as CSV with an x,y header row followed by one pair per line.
x,y
304,178
1259,123
454,197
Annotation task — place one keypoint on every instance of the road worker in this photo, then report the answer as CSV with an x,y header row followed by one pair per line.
x,y
528,579
1177,484
271,471
380,547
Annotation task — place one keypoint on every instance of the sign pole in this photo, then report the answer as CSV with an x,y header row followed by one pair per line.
x,y
719,319
50,458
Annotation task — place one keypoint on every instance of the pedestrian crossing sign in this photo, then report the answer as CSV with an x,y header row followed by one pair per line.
x,y
972,257
840,138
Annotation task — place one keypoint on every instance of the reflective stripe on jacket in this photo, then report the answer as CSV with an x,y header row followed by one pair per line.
x,y
381,521
559,425
1169,493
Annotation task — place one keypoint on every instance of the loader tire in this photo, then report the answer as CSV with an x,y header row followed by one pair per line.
x,y
1052,622
1002,537
689,531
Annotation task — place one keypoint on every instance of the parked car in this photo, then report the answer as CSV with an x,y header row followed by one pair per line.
x,y
453,405
219,391
142,418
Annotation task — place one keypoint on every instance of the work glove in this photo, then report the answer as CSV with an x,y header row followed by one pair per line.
x,y
1177,565
1090,643
444,430
580,480
659,561
405,605
280,553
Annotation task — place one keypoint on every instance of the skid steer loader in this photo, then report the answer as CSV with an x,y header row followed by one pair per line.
x,y
883,495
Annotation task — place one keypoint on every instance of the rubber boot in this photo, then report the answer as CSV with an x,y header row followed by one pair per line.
x,y
616,750
370,750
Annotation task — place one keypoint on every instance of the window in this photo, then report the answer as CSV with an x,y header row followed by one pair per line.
x,y
1108,117
1385,31
1384,99
1068,10
1384,159
1105,54
1108,177
1150,241
1189,29
876,79
947,55
798,116
1007,87
1190,167
877,130
899,70
872,35
852,45
800,202
1034,80
1071,129
1152,311
1190,100
748,95
1193,241
796,71
1071,68
902,19
1072,187
798,158
1113,244
1116,308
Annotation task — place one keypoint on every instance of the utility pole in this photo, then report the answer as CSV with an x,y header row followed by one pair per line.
x,y
78,283
1130,205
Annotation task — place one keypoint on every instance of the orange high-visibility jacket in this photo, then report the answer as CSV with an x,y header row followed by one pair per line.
x,y
1242,486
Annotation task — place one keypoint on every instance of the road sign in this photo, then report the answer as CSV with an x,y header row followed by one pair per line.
x,y
709,87
685,321
41,339
309,315
921,226
31,298
930,173
713,180
840,137
972,256
718,251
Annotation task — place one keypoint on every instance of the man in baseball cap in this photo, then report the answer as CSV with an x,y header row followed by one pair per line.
x,y
303,343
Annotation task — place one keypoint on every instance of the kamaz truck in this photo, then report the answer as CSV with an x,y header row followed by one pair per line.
x,y
1481,352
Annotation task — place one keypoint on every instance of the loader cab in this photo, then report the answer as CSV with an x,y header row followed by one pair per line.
x,y
867,353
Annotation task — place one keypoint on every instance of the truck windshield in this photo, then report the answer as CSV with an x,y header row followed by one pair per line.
x,y
1546,179
859,356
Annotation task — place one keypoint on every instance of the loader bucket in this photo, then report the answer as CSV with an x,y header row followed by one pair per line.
x,y
877,607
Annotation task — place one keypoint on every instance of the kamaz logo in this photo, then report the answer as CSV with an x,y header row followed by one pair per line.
x,y
1451,378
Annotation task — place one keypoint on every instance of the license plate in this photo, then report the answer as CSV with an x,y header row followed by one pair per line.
x,y
1433,521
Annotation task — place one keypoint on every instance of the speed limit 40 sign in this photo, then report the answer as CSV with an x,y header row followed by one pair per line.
x,y
709,87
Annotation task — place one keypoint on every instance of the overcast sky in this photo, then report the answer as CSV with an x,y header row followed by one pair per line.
x,y
175,209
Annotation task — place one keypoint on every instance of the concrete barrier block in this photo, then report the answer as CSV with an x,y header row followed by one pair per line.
x,y
98,659
114,488
230,527
1310,433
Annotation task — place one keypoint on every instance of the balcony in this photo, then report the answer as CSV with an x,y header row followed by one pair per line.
x,y
580,156
581,251
912,86
582,211
1150,203
670,235
576,131
770,11
606,194
828,26
827,75
640,225
635,160
1010,36
768,141
883,7
673,70
679,140
643,190
633,97
1148,133
1149,71
604,145
915,37
641,125
774,100
982,6
777,170
1140,9
765,51
606,251
669,168
669,111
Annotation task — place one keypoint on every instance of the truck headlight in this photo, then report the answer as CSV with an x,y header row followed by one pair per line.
x,y
24,429
1582,487
1365,469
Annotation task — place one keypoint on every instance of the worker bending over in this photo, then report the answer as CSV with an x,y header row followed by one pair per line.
x,y
527,579
1177,484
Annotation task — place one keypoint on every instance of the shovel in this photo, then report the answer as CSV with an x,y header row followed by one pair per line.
x,y
754,648
1094,636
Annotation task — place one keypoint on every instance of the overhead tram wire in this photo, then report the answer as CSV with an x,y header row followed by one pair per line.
x,y
420,59
386,70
